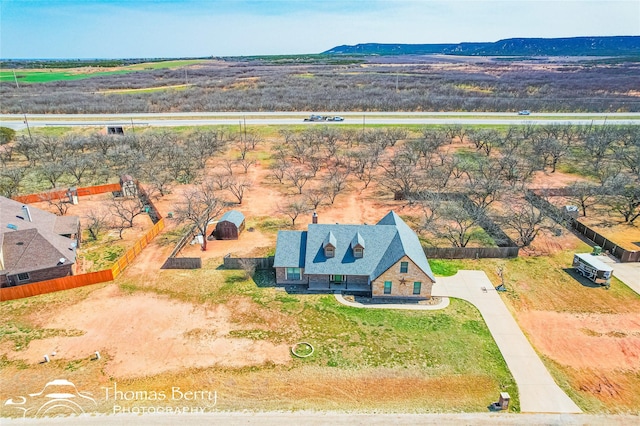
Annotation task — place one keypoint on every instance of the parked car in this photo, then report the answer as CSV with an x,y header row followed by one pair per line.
x,y
524,112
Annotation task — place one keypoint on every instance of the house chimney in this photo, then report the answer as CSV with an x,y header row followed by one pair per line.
x,y
27,213
314,218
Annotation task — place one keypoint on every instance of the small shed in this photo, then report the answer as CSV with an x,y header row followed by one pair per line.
x,y
229,226
129,187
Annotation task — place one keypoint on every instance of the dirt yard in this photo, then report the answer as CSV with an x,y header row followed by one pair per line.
x,y
143,335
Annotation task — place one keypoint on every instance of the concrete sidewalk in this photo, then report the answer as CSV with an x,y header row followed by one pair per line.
x,y
538,391
406,306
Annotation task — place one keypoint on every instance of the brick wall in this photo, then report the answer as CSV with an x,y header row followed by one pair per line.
x,y
394,275
42,275
281,274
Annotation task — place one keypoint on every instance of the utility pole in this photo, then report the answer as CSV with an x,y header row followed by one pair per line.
x,y
27,123
16,79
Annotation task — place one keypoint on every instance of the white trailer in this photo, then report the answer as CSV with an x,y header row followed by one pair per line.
x,y
591,267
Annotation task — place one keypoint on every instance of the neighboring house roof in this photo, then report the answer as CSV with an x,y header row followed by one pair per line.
x,y
290,249
233,216
28,250
386,243
29,245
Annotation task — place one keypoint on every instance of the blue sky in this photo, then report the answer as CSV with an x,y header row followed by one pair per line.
x,y
187,28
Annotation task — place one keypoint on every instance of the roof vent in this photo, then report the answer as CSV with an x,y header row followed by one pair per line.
x,y
61,261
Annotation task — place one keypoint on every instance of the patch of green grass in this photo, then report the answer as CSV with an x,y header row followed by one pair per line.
x,y
270,224
445,268
101,253
49,75
21,334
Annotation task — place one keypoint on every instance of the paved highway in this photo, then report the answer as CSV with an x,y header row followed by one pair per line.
x,y
19,121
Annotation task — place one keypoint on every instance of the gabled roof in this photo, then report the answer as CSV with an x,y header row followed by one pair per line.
x,y
387,242
28,250
29,245
233,216
290,249
330,239
357,241
408,244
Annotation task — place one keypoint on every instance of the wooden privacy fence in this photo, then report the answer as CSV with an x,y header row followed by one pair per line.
x,y
238,262
182,263
58,284
598,239
73,281
134,251
471,252
62,193
572,224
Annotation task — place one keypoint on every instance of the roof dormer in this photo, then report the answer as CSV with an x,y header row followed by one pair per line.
x,y
357,246
329,245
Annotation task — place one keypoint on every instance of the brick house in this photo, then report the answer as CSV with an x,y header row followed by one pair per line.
x,y
384,260
35,245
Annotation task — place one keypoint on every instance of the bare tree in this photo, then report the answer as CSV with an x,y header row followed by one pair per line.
x,y
60,204
200,206
626,199
525,220
10,179
585,195
278,169
315,197
294,209
124,211
298,177
248,266
245,163
220,180
96,222
457,224
52,172
238,187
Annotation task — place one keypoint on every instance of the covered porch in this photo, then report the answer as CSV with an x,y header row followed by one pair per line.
x,y
344,286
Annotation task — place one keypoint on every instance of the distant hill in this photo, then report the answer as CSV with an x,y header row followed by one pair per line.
x,y
573,46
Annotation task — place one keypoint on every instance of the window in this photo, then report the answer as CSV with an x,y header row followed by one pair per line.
x,y
417,286
387,287
293,274
329,251
358,252
23,276
338,278
404,267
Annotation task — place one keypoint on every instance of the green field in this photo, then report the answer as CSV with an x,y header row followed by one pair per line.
x,y
49,75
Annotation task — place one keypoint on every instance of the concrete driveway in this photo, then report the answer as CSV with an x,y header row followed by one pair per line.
x,y
628,273
538,391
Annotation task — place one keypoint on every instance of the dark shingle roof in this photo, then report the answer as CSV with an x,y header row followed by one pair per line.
x,y
387,242
233,216
42,246
290,249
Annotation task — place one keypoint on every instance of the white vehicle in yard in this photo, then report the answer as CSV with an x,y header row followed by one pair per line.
x,y
589,266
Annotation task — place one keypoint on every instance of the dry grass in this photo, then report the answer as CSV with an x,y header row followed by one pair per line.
x,y
364,360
